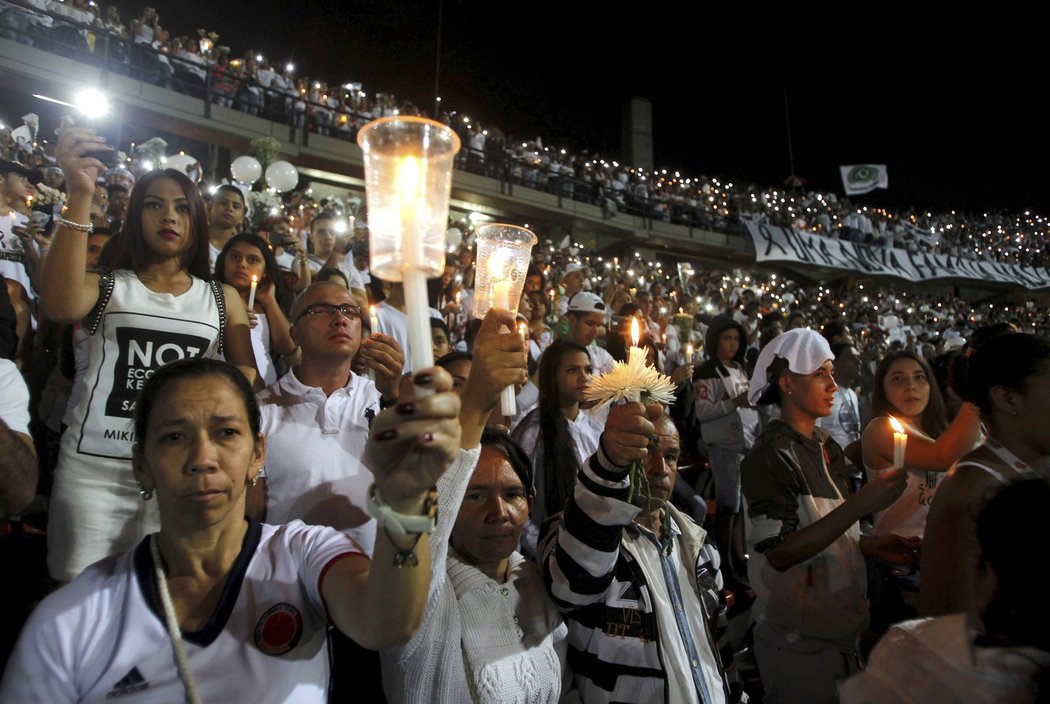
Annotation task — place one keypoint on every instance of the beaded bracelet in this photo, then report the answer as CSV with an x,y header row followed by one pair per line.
x,y
78,226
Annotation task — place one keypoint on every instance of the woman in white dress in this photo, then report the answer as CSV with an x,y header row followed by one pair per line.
x,y
151,306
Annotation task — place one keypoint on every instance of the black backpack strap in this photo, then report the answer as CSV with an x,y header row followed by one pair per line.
x,y
106,280
220,301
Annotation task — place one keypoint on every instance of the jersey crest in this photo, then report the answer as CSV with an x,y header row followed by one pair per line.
x,y
279,629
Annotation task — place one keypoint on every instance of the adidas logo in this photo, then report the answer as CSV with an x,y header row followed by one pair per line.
x,y
131,682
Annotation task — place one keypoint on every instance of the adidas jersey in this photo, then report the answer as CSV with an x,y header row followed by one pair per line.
x,y
102,638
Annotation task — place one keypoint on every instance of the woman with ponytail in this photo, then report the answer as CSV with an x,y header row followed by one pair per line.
x,y
557,434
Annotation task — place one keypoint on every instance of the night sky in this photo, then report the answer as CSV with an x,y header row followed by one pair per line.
x,y
952,104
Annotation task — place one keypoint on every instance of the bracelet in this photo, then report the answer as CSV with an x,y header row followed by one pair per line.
x,y
400,523
77,226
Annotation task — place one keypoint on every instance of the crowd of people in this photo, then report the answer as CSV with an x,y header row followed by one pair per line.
x,y
249,81
240,468
250,493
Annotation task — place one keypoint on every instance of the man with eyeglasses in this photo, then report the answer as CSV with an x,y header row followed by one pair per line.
x,y
316,418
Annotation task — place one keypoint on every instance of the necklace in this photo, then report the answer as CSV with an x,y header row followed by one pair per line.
x,y
171,621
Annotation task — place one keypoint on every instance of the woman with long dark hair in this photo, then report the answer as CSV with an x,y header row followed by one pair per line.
x,y
151,305
905,389
245,256
557,433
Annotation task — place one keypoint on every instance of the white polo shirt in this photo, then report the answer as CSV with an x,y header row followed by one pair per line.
x,y
314,445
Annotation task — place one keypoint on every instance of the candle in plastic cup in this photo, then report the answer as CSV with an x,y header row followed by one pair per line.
x,y
408,181
504,252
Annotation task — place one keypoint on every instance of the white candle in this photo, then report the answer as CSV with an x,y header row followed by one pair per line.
x,y
420,350
251,294
373,319
900,441
500,293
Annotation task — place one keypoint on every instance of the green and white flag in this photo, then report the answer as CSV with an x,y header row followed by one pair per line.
x,y
864,178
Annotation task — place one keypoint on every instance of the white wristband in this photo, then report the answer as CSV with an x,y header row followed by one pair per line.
x,y
400,523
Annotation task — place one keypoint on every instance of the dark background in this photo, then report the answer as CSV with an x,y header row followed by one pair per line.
x,y
952,103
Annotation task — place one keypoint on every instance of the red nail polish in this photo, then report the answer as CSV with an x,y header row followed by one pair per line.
x,y
405,409
427,437
422,379
387,435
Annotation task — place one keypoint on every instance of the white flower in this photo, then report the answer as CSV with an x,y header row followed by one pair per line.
x,y
631,382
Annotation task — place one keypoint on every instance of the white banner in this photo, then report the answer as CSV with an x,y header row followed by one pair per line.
x,y
863,178
781,244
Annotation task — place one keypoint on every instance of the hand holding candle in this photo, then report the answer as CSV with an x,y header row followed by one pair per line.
x,y
503,259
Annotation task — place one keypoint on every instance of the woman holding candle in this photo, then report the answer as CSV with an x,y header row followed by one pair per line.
x,y
216,607
154,307
904,390
247,264
1008,378
806,561
558,434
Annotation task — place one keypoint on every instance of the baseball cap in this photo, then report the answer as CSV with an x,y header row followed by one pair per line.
x,y
586,302
7,167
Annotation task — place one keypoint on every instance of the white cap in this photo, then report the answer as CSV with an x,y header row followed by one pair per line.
x,y
585,302
805,351
572,267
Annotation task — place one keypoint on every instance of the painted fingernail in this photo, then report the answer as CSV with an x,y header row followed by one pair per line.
x,y
405,409
427,437
387,435
422,379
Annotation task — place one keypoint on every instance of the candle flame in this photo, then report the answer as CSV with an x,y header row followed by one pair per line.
x,y
408,177
524,330
255,279
634,332
897,427
372,311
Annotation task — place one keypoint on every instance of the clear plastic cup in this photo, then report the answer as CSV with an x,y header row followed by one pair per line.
x,y
408,181
504,253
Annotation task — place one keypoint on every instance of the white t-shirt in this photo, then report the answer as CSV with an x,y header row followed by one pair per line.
x,y
843,424
314,445
102,638
601,360
12,253
14,402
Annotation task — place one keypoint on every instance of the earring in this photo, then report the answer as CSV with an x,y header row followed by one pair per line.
x,y
144,493
253,481
789,392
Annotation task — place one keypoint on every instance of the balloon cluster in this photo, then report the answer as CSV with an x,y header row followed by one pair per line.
x,y
281,176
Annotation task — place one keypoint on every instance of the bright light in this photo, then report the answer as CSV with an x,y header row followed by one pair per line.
x,y
340,226
289,67
93,103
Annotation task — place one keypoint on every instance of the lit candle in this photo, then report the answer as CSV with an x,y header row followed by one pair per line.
x,y
373,319
900,441
500,297
689,353
635,335
251,294
415,279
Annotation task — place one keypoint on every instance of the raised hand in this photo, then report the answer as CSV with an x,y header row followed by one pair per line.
x,y
414,442
382,353
79,170
627,432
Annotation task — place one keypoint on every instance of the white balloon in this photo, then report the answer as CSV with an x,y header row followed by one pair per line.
x,y
281,176
454,236
185,164
246,169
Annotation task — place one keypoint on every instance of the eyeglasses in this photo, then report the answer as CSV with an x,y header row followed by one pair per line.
x,y
317,310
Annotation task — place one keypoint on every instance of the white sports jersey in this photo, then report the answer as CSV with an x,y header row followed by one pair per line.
x,y
103,639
